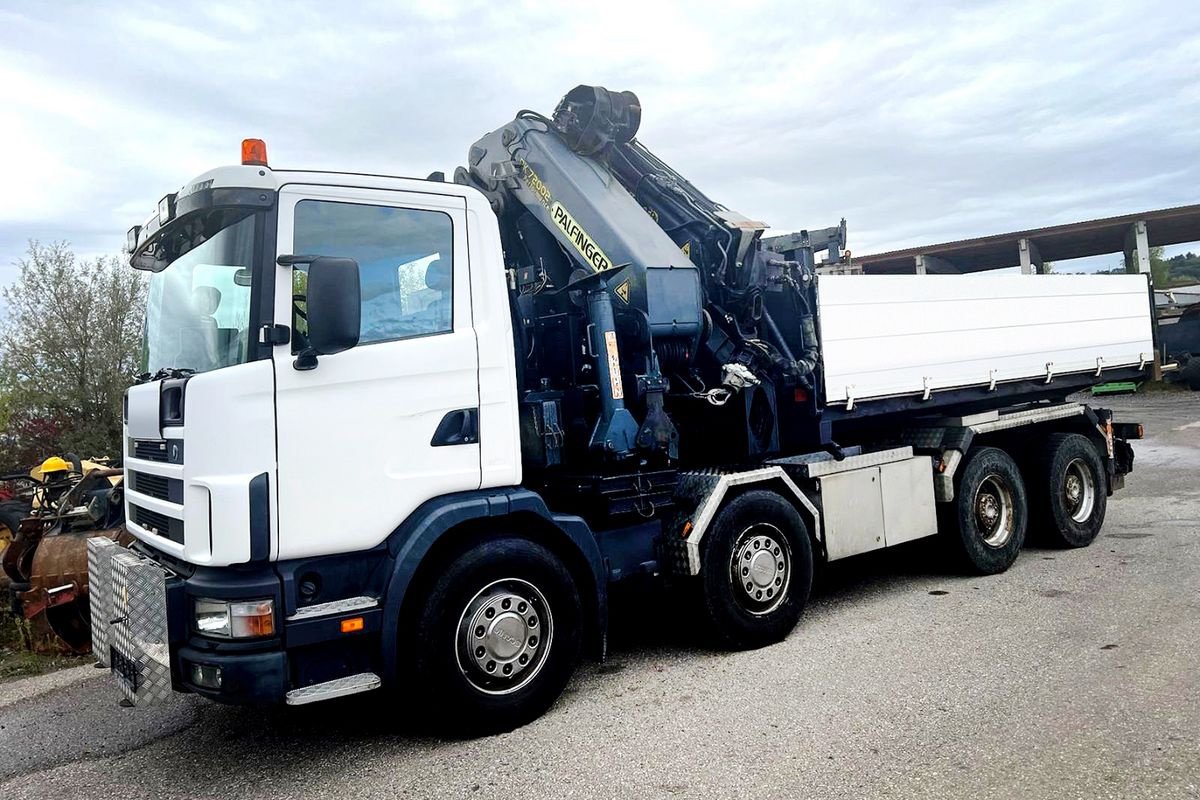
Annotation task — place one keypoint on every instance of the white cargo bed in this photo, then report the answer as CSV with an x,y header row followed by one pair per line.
x,y
887,335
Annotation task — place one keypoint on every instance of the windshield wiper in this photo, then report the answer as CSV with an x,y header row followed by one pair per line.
x,y
166,372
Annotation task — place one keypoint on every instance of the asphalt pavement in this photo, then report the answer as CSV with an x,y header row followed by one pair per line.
x,y
1076,674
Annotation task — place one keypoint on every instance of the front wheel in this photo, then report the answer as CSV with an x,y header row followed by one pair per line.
x,y
988,518
496,638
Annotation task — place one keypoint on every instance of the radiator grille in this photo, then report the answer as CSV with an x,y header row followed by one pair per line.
x,y
157,523
149,450
155,486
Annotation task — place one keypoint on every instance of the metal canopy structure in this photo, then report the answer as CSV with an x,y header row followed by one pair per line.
x,y
1132,234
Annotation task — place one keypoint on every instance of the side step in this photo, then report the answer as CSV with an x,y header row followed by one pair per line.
x,y
340,687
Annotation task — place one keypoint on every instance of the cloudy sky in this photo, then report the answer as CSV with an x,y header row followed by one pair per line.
x,y
918,123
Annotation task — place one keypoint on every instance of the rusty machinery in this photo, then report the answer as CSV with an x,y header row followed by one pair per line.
x,y
69,501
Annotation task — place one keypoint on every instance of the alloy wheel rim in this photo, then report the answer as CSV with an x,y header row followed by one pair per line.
x,y
504,635
761,568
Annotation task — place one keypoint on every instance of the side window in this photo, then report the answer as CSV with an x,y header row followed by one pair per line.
x,y
405,260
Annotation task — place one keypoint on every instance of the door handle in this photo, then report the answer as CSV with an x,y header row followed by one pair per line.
x,y
460,426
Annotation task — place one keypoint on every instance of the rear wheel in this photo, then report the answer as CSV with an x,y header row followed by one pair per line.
x,y
496,637
756,570
1069,490
988,518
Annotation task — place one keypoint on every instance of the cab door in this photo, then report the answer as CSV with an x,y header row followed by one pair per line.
x,y
372,432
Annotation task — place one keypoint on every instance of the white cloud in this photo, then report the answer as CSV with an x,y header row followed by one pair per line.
x,y
918,122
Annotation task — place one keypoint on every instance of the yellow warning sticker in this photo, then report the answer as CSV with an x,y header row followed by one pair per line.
x,y
622,291
591,252
687,248
614,365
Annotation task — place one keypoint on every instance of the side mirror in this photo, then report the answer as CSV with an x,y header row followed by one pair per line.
x,y
333,308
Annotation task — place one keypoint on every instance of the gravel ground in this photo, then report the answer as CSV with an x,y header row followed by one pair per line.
x,y
1074,675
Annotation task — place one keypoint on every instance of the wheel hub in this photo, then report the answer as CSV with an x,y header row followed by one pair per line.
x,y
504,633
989,509
761,568
994,511
1074,489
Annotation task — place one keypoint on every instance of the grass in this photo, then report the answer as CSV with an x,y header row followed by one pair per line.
x,y
17,660
1160,387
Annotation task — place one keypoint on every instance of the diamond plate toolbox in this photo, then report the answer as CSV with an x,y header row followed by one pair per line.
x,y
139,654
100,553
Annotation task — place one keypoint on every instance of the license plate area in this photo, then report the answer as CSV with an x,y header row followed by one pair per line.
x,y
124,669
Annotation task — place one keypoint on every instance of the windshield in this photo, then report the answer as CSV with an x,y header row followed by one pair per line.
x,y
198,309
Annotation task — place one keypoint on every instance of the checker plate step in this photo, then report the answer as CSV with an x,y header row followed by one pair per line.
x,y
340,687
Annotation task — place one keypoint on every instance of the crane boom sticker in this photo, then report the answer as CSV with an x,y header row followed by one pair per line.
x,y
593,256
591,252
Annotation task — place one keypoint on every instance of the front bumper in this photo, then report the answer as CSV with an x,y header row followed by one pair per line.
x,y
141,630
246,678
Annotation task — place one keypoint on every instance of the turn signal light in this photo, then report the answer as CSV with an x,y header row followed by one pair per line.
x,y
252,620
254,152
351,625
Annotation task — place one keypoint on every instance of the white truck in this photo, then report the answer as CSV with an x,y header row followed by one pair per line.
x,y
405,434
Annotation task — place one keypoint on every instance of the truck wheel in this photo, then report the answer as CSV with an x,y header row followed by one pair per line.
x,y
1069,493
1190,374
496,638
988,519
756,570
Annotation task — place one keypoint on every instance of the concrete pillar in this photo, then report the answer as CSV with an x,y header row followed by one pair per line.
x,y
1137,248
932,265
1031,258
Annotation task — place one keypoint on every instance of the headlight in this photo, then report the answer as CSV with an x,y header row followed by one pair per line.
x,y
241,620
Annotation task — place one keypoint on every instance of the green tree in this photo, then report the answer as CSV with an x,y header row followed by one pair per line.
x,y
1160,268
68,350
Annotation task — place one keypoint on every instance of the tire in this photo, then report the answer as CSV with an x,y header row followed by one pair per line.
x,y
1190,374
987,534
1068,491
524,600
756,571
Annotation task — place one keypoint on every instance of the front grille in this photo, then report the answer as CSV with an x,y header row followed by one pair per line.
x,y
169,451
157,486
149,450
157,523
145,483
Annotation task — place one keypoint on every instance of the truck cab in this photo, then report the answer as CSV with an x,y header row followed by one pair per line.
x,y
253,457
270,424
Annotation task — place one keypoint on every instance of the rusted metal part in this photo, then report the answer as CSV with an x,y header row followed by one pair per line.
x,y
46,563
58,585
